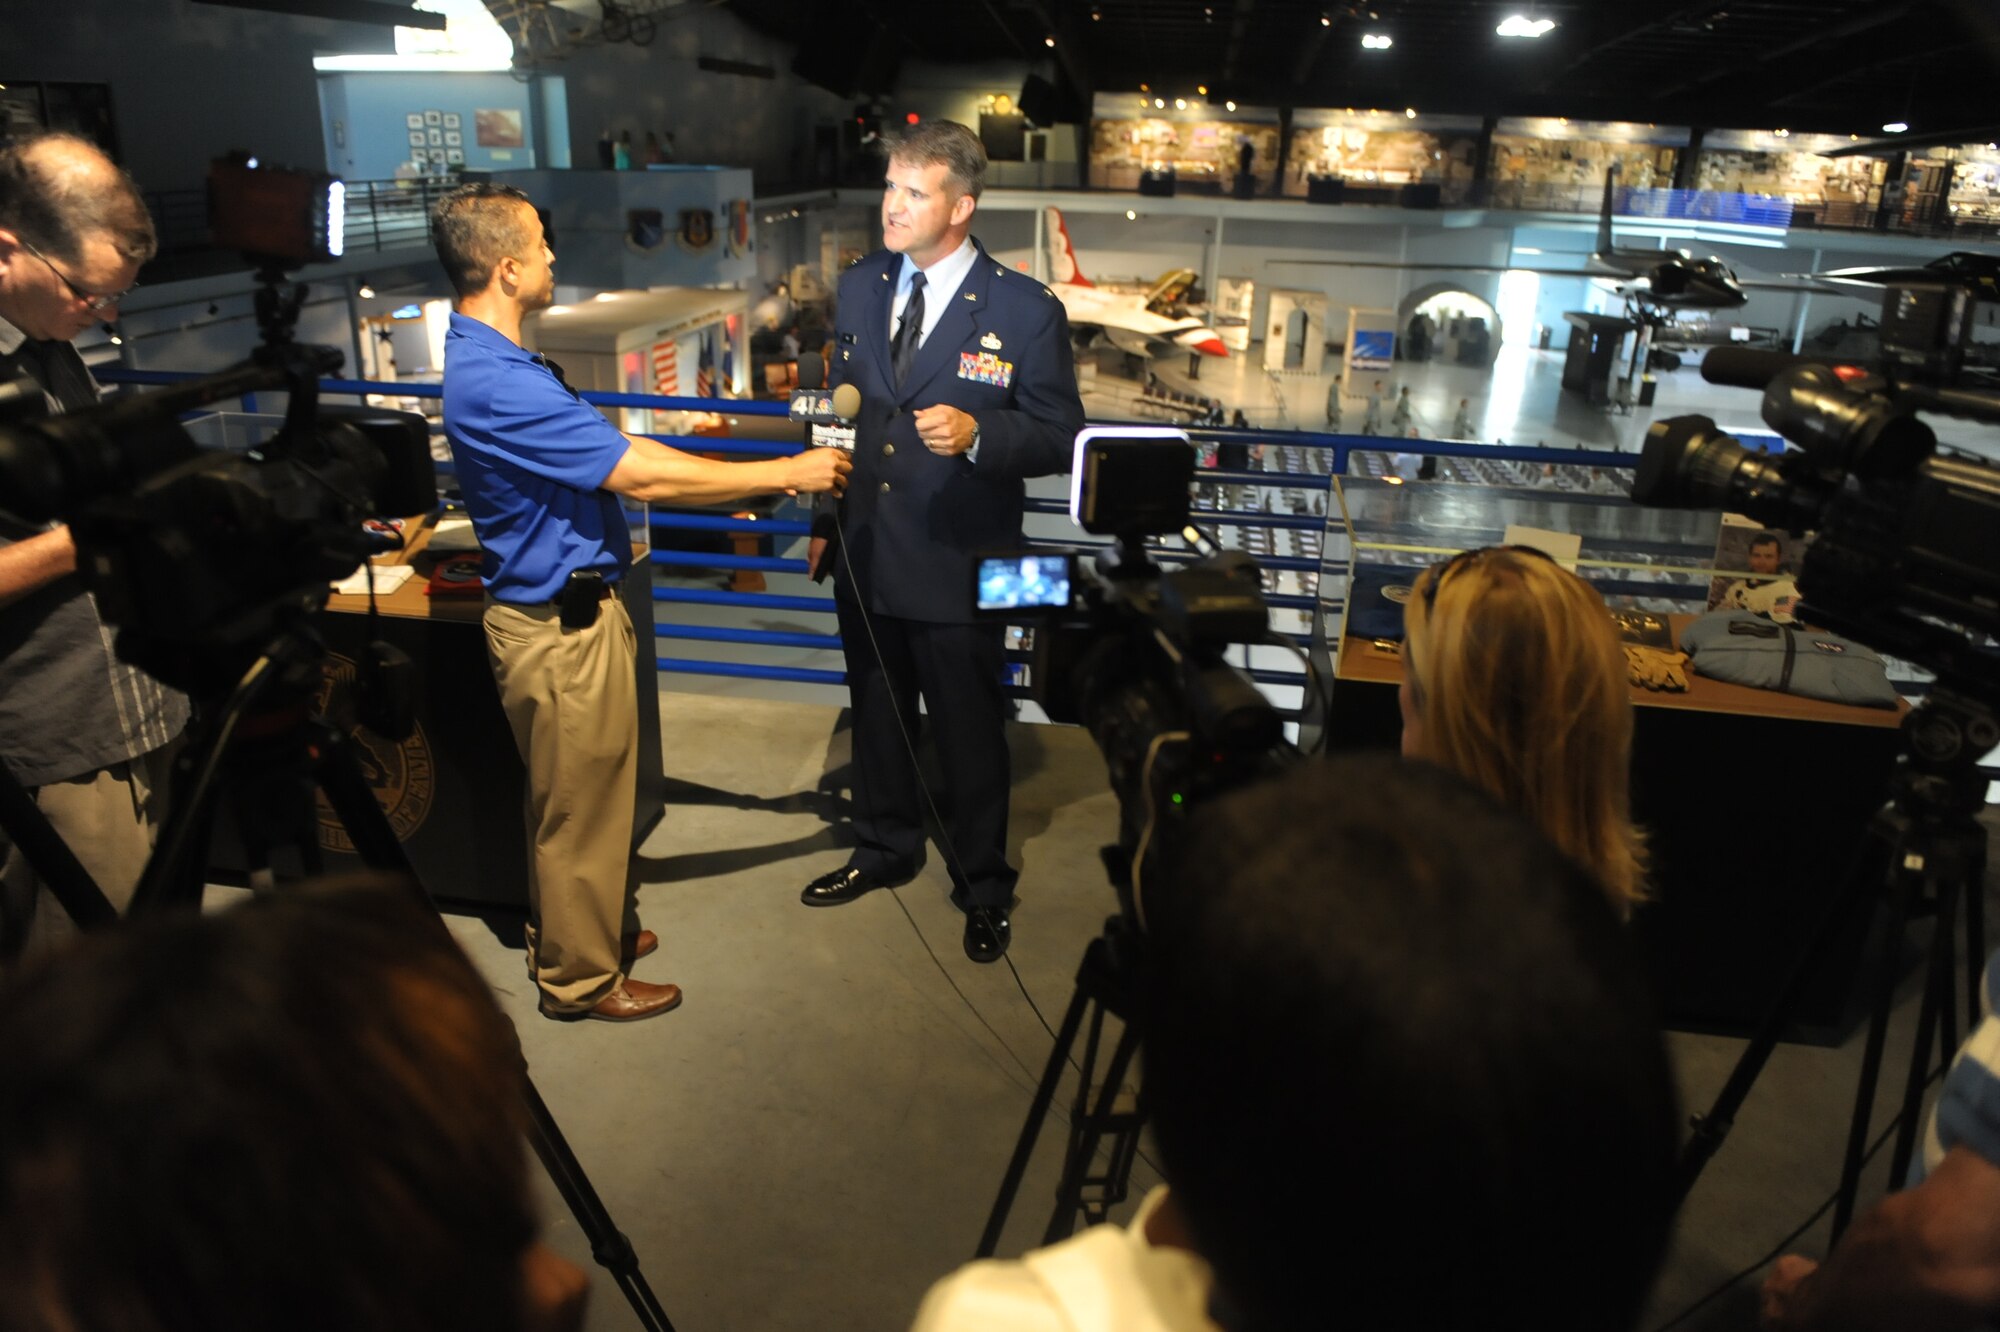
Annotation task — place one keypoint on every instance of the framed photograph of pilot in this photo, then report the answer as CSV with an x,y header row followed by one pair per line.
x,y
414,120
451,120
454,156
1750,558
453,139
433,117
434,137
417,139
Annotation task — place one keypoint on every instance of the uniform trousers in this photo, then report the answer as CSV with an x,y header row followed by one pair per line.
x,y
571,700
108,819
956,668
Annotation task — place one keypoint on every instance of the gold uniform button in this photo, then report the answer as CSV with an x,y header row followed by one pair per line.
x,y
888,450
885,487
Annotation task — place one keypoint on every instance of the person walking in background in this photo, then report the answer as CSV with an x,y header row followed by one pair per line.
x,y
1461,424
1399,420
1371,415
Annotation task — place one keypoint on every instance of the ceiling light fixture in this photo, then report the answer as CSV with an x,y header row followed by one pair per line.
x,y
1048,41
1896,127
1520,25
1376,41
1160,103
1409,113
1326,20
364,291
1131,216
1781,134
1231,106
1180,103
1201,88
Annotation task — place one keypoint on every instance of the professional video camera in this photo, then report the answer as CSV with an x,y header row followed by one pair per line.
x,y
1908,561
1908,554
1134,653
202,557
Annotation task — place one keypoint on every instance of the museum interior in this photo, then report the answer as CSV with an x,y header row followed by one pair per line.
x,y
1393,280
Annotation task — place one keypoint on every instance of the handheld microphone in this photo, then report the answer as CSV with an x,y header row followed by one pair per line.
x,y
829,414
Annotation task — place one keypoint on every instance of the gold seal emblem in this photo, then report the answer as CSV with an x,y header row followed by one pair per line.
x,y
402,774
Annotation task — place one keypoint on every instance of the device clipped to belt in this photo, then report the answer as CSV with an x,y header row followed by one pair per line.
x,y
581,596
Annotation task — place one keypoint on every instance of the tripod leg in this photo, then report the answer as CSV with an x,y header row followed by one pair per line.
x,y
1712,1127
1906,881
608,1244
1940,988
1085,1136
53,862
1975,924
1038,1113
375,841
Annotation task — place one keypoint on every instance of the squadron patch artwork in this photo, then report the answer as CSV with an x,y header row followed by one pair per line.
x,y
985,368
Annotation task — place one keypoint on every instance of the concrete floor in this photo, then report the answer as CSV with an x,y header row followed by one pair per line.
x,y
818,1133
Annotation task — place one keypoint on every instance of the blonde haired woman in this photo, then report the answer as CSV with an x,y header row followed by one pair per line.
x,y
1514,676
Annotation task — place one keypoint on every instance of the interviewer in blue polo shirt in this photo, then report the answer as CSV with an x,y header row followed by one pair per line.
x,y
539,468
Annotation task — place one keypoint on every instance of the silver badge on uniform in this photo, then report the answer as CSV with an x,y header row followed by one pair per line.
x,y
991,342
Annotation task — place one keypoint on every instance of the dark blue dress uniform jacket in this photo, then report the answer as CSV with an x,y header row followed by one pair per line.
x,y
912,519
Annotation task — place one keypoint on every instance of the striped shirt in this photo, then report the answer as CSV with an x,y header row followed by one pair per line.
x,y
1968,1111
68,705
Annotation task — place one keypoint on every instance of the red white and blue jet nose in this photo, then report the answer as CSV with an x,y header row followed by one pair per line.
x,y
1203,340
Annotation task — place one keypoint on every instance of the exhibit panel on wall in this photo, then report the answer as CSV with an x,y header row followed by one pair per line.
x,y
1553,162
1357,152
1143,142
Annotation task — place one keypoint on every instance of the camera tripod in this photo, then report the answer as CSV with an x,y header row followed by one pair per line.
x,y
1107,983
1935,852
266,737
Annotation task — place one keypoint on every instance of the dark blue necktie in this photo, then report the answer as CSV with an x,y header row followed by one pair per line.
x,y
904,349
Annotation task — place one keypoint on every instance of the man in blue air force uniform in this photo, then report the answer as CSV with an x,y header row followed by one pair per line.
x,y
967,388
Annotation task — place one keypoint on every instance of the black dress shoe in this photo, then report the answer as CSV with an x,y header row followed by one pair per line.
x,y
847,883
987,933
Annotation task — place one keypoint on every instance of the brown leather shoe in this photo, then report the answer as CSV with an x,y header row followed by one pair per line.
x,y
628,1001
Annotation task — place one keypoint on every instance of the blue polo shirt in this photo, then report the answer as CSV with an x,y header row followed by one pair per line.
x,y
532,458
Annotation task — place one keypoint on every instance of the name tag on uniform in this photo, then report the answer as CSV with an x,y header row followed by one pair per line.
x,y
985,368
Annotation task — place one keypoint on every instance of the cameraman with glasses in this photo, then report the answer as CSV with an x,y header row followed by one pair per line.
x,y
83,731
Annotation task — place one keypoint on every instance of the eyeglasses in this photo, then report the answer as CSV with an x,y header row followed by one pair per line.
x,y
1444,569
92,302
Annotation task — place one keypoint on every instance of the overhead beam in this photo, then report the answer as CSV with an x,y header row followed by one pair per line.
x,y
1812,41
1629,24
1239,26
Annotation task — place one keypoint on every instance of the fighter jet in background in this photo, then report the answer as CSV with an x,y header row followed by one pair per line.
x,y
1659,283
1980,273
1140,323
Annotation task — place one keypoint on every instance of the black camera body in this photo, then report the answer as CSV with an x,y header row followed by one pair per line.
x,y
200,557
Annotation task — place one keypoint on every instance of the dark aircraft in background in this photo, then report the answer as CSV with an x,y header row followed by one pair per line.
x,y
1980,273
1659,283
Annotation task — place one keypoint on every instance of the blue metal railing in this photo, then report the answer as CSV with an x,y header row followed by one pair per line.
x,y
1340,448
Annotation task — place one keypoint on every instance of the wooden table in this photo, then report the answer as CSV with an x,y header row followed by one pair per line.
x,y
1754,803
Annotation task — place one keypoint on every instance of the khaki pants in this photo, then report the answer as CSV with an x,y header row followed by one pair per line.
x,y
572,702
108,819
